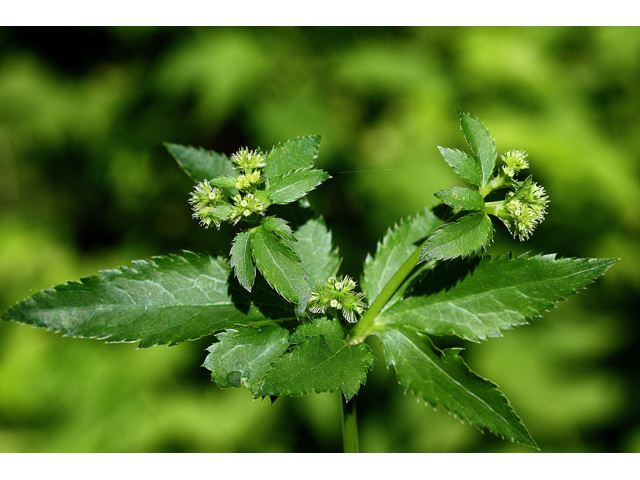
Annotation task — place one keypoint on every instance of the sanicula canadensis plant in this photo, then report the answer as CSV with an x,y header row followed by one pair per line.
x,y
287,323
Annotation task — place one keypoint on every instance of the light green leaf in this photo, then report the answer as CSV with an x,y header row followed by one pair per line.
x,y
280,227
164,300
293,155
477,298
462,198
281,267
315,250
481,143
243,355
294,184
442,377
223,182
396,247
321,362
241,259
465,166
459,239
200,164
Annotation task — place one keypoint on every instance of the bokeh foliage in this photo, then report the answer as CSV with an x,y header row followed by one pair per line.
x,y
85,184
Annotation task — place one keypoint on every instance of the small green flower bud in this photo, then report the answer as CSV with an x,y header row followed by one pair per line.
x,y
206,202
245,206
338,294
248,160
524,209
246,180
514,162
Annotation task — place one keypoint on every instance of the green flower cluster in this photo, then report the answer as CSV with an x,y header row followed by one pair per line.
x,y
338,294
210,204
525,206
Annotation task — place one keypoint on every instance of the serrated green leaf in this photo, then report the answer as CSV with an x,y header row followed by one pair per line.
x,y
315,250
481,143
281,267
294,184
242,261
243,355
396,247
461,197
223,182
320,363
442,377
164,300
459,239
280,227
200,164
465,166
477,298
293,155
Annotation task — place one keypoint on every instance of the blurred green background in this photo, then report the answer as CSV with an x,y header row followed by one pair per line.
x,y
85,184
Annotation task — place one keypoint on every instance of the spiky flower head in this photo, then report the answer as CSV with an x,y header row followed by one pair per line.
x,y
246,205
248,179
248,160
207,204
524,209
514,162
339,294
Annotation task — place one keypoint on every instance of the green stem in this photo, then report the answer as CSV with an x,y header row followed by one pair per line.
x,y
366,325
349,426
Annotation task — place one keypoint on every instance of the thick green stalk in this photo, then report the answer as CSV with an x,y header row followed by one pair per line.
x,y
349,426
366,325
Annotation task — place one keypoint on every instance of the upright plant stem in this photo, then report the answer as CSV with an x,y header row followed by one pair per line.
x,y
349,426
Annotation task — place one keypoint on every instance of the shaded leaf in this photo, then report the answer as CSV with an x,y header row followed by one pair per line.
x,y
442,377
321,362
243,355
483,296
293,155
481,143
241,259
459,239
465,166
462,198
294,184
280,266
164,300
200,164
315,250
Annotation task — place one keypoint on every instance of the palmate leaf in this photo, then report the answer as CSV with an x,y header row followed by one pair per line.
x,y
292,185
201,164
164,300
459,239
319,361
280,266
396,247
442,377
477,298
481,143
293,155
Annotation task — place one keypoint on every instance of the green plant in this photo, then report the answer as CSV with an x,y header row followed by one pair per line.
x,y
286,323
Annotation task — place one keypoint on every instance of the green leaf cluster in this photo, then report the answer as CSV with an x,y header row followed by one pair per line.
x,y
255,301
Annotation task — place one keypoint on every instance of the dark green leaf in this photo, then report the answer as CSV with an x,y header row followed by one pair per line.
x,y
293,155
459,239
294,184
465,166
164,300
321,362
315,250
462,198
280,227
442,377
481,144
242,261
243,355
479,297
396,247
281,267
200,164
